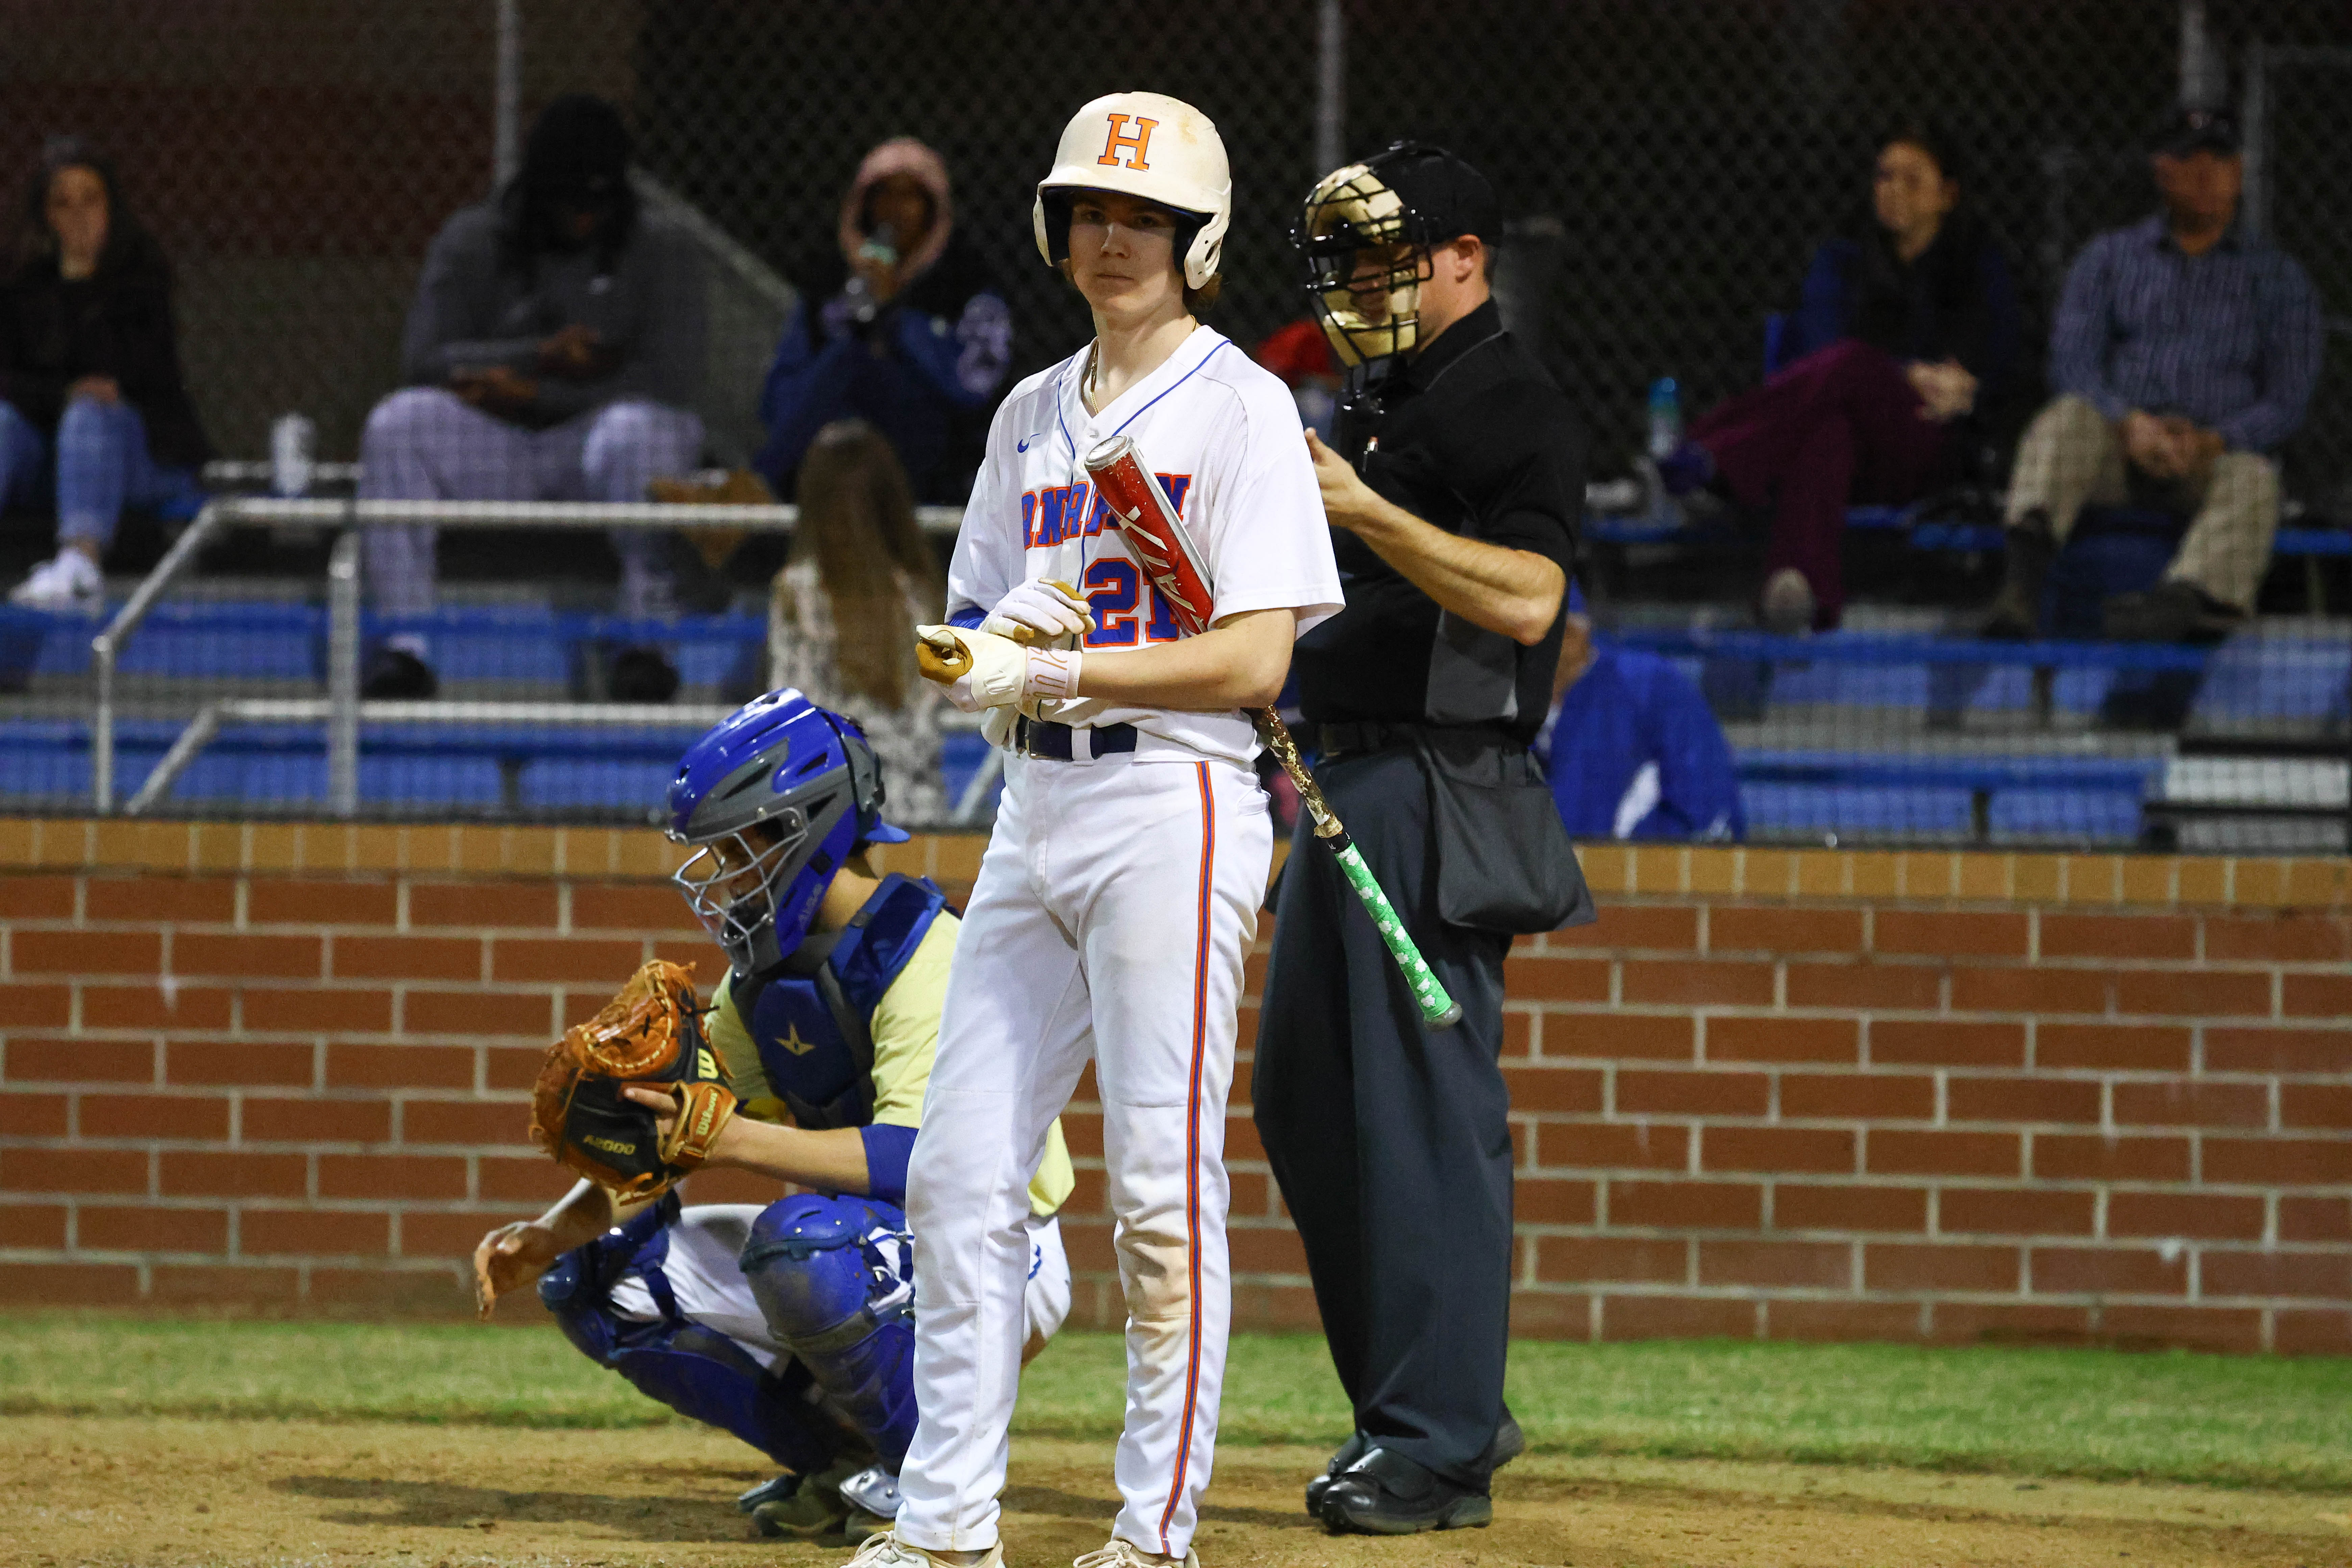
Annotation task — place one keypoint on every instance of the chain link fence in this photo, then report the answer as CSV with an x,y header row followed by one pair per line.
x,y
1672,167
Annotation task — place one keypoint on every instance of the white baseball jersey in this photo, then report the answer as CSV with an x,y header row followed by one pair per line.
x,y
1222,435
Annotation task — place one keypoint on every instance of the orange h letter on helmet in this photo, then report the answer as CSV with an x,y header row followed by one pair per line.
x,y
1139,144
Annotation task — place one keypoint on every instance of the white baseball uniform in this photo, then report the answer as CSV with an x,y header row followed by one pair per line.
x,y
1114,902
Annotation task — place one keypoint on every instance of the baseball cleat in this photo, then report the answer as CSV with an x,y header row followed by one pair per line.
x,y
776,1491
1126,1554
887,1551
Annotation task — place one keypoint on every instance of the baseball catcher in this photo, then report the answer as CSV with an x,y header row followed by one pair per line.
x,y
788,1325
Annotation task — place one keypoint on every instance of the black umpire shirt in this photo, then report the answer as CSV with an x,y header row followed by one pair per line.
x,y
1473,436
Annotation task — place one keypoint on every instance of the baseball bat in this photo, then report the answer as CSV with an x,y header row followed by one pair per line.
x,y
1163,548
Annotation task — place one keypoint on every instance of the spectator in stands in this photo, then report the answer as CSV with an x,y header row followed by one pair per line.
x,y
861,574
1301,355
2184,352
1904,343
90,371
1630,747
554,352
904,329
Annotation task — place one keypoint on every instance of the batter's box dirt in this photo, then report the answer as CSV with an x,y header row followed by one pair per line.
x,y
124,1491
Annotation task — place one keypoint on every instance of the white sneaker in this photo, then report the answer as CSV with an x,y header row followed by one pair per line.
x,y
1126,1554
68,581
887,1551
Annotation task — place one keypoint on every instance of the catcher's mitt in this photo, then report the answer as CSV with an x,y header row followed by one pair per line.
x,y
649,1035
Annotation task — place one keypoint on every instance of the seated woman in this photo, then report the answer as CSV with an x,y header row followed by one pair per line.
x,y
90,372
860,573
1904,345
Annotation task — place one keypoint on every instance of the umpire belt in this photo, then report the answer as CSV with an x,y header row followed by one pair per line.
x,y
1043,738
1336,741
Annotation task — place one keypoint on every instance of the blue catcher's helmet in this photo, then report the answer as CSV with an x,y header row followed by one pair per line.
x,y
775,797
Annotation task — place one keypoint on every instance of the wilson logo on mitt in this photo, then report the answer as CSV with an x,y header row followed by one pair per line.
x,y
649,1035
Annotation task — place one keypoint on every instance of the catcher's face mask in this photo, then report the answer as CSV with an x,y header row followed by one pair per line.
x,y
732,883
1362,266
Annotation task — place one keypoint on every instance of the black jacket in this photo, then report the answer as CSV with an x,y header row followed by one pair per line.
x,y
116,322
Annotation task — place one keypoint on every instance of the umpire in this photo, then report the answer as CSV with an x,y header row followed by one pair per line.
x,y
1452,487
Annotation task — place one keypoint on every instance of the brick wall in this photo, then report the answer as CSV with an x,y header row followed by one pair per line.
x,y
1795,1095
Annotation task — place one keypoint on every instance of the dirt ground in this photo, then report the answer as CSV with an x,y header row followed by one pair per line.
x,y
182,1491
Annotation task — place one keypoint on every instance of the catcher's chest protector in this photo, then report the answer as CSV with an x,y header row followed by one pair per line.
x,y
811,1019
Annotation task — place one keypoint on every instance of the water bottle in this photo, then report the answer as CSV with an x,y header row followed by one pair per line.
x,y
293,439
881,246
1665,418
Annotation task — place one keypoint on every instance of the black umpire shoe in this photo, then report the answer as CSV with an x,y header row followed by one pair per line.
x,y
1385,1493
1348,1453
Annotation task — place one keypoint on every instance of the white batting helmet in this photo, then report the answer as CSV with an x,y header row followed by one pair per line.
x,y
1148,145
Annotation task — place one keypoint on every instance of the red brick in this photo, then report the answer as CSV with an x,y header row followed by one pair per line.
x,y
1947,1266
2214,1215
2019,1098
2280,1162
1605,1145
32,1115
464,1121
196,1284
2323,1105
154,1116
586,960
1550,1200
73,1171
188,1174
373,957
2328,1332
1772,1149
1266,1249
2315,1219
1939,1154
2004,1324
2024,990
1575,1259
2176,1102
540,1180
2014,1210
408,1177
33,1226
1783,1040
1686,1205
1642,1093
2096,1157
319,1012
147,1005
1939,1044
1843,1323
248,957
1844,1207
239,1062
1519,1033
435,1290
2321,1052
465,1014
1868,1097
700,956
1677,1317
1695,982
400,1066
1824,1265
1667,927
517,1067
2118,936
1948,933
36,898
1866,988
2301,996
629,906
79,1061
262,1233
2108,1272
159,900
426,1233
1619,1036
2215,1330
313,1119
520,905
81,953
1770,929
69,1284
135,1227
2283,936
1553,979
269,902
26,1005
2194,993
2129,1048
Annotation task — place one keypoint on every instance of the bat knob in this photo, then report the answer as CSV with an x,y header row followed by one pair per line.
x,y
1451,1017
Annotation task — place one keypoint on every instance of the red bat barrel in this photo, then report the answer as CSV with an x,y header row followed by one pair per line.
x,y
1154,534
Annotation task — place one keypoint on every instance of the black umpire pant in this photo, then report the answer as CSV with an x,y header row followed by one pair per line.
x,y
1391,1141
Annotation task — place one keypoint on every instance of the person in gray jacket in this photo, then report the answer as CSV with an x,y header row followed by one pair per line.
x,y
554,352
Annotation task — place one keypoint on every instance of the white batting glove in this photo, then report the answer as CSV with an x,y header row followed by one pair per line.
x,y
980,669
1038,611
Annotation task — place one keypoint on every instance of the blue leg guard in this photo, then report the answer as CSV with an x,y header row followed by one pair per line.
x,y
834,1278
692,1370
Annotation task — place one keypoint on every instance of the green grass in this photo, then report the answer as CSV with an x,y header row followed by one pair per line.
x,y
2235,1421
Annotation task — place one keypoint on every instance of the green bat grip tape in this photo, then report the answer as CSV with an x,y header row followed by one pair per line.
x,y
1442,1011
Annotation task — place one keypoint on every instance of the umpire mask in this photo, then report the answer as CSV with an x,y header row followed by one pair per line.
x,y
1365,235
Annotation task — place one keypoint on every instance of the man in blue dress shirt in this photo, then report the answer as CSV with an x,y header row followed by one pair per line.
x,y
2183,353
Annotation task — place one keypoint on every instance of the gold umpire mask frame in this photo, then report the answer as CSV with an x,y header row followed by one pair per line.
x,y
1370,308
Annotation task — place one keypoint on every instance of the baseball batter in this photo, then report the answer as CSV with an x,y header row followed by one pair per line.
x,y
1122,885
